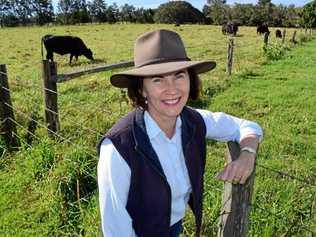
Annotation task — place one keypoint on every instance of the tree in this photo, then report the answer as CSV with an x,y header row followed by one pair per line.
x,y
97,10
308,15
178,12
44,11
217,12
127,13
79,11
112,13
241,13
64,11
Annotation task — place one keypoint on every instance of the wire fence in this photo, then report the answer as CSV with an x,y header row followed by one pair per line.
x,y
92,153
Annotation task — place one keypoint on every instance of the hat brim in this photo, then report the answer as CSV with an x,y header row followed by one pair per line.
x,y
123,79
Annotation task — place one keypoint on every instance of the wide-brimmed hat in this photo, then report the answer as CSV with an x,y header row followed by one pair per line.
x,y
156,53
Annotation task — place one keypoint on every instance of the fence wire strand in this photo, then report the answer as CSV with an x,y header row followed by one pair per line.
x,y
56,134
288,175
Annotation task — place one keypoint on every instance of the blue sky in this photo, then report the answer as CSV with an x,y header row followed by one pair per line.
x,y
196,3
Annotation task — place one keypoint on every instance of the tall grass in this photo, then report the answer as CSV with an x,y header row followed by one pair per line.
x,y
50,189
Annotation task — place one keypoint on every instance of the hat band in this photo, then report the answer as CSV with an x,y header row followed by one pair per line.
x,y
162,60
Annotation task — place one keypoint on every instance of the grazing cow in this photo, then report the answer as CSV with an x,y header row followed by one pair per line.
x,y
263,28
65,45
230,28
278,33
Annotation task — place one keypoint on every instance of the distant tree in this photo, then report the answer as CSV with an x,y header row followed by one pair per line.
x,y
178,12
217,11
97,10
23,10
43,10
72,11
112,13
144,15
291,16
308,15
64,11
127,13
241,13
79,11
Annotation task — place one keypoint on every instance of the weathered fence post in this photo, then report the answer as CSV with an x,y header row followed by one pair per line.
x,y
266,39
293,40
230,52
8,128
283,36
50,92
236,202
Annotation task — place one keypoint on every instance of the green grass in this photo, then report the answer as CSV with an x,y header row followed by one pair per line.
x,y
49,189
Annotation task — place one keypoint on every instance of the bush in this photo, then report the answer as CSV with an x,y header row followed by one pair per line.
x,y
274,51
304,38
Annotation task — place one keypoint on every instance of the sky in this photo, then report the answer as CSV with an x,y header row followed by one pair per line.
x,y
196,3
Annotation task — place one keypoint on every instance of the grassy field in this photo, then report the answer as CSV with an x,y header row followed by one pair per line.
x,y
49,188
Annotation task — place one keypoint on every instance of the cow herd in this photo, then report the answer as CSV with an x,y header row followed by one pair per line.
x,y
231,28
76,47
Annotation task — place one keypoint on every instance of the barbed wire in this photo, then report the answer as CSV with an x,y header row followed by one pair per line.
x,y
100,134
76,123
278,216
20,125
51,131
3,73
287,175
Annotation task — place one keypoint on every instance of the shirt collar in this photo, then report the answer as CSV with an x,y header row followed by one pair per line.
x,y
152,127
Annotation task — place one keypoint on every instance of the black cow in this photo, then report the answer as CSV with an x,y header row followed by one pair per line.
x,y
278,33
263,28
230,28
65,45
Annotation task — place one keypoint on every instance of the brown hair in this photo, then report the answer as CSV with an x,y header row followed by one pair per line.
x,y
136,86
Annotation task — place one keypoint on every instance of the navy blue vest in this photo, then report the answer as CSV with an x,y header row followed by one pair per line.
x,y
149,198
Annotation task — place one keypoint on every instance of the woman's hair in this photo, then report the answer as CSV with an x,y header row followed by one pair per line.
x,y
137,99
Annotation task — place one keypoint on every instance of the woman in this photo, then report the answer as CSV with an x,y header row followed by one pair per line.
x,y
152,161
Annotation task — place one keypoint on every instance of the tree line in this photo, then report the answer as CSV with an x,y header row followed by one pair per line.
x,y
41,12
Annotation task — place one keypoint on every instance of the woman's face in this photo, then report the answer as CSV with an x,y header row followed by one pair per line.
x,y
166,94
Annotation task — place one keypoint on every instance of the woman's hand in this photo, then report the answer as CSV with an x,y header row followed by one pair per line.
x,y
239,170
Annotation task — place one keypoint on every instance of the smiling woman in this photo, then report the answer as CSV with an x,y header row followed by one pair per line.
x,y
152,161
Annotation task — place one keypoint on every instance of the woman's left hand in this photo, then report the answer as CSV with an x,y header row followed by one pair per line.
x,y
239,170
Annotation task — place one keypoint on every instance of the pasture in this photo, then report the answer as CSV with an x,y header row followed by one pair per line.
x,y
49,188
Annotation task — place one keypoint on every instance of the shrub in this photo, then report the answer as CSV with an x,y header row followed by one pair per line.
x,y
274,51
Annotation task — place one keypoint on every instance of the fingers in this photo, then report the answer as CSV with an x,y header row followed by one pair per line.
x,y
234,173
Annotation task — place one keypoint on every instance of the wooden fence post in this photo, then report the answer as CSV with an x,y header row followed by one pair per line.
x,y
50,96
8,128
283,36
236,202
293,40
230,52
266,39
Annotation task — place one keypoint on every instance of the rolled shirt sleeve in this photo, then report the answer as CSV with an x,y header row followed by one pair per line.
x,y
114,181
224,127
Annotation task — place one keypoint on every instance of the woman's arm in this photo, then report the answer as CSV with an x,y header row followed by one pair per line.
x,y
248,134
114,181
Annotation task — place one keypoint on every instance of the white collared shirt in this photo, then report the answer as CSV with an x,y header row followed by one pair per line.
x,y
114,173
